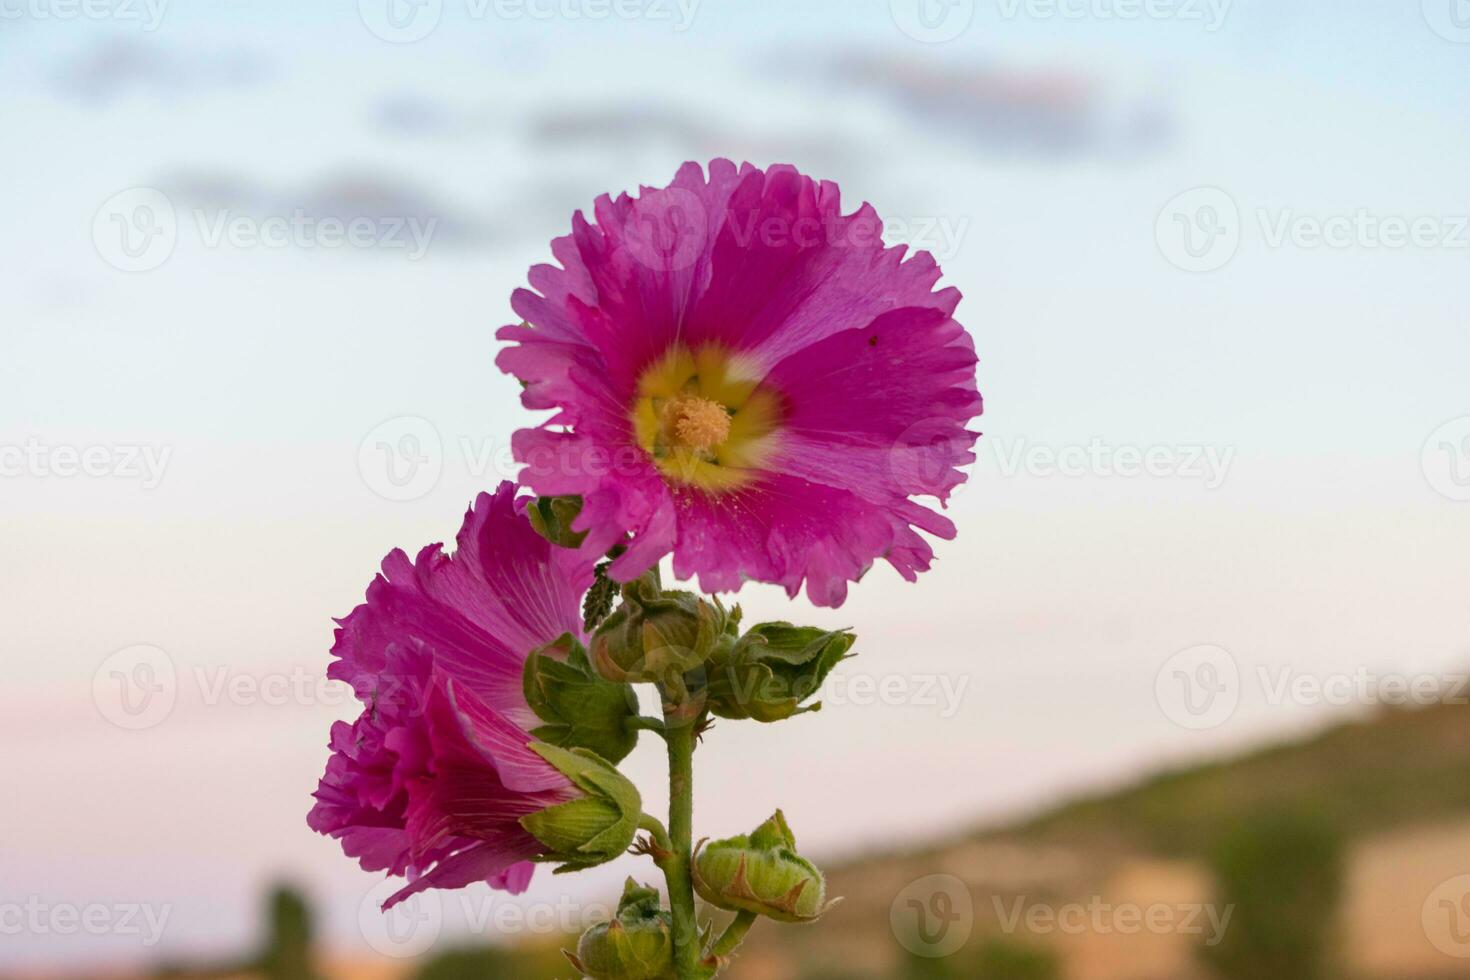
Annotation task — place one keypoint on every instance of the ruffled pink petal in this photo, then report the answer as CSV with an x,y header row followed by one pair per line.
x,y
877,377
433,777
503,593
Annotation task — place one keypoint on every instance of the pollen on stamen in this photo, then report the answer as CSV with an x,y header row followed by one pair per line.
x,y
699,424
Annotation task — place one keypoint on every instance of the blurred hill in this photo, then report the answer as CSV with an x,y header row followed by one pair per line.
x,y
1336,848
1393,788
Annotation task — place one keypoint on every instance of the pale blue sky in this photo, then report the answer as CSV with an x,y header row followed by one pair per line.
x,y
1321,371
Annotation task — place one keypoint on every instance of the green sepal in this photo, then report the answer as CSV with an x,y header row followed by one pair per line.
x,y
771,670
580,708
552,518
594,828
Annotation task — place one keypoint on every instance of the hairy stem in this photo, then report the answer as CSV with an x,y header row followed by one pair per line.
x,y
656,831
733,935
677,868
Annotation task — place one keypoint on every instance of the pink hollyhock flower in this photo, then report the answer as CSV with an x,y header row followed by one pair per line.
x,y
747,378
433,778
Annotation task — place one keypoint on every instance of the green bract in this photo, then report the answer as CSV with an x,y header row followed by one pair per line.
x,y
772,669
552,518
581,709
761,873
597,826
636,945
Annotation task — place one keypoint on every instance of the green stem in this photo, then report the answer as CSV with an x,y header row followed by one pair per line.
x,y
645,724
733,935
656,831
681,833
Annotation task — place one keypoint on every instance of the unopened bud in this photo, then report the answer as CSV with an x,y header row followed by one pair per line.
x,y
636,945
656,635
761,873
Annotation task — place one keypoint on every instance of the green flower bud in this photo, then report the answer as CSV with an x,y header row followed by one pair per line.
x,y
595,827
581,710
552,518
636,945
656,635
772,669
761,873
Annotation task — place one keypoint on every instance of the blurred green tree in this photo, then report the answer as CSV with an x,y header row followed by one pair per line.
x,y
287,952
1282,872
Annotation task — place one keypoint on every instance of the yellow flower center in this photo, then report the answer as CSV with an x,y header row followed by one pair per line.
x,y
696,423
705,419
